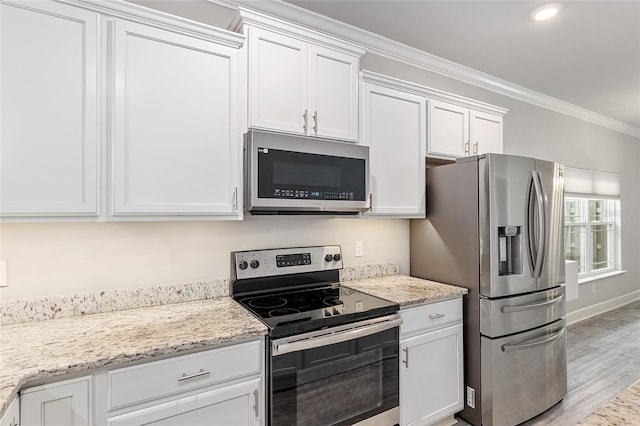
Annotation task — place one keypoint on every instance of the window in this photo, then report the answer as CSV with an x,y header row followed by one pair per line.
x,y
592,221
590,233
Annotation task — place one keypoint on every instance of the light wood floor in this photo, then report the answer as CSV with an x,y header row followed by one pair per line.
x,y
603,359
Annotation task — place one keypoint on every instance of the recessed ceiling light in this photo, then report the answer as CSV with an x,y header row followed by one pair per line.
x,y
545,12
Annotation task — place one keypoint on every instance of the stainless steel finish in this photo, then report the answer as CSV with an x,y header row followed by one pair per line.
x,y
505,381
485,215
533,343
536,232
334,335
467,148
234,197
475,148
552,180
267,260
502,188
200,373
436,316
389,417
315,122
499,317
370,201
256,402
520,308
304,116
255,139
406,357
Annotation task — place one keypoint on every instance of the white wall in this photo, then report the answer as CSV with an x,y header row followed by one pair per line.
x,y
537,132
63,258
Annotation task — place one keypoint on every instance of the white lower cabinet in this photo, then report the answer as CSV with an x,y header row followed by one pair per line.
x,y
233,405
220,386
63,403
431,363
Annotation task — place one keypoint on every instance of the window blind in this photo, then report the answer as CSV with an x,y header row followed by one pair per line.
x,y
591,182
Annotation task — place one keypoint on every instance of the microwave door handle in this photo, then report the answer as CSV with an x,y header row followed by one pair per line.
x,y
529,228
542,223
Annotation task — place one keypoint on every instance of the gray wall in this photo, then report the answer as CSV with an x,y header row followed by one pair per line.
x,y
538,132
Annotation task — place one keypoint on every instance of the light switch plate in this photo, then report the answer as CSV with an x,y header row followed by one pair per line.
x,y
3,274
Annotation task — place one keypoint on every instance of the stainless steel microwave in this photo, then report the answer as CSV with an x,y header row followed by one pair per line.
x,y
288,174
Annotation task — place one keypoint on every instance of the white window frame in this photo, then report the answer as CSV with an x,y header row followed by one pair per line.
x,y
613,246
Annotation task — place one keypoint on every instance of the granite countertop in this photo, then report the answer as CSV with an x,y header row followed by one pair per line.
x,y
624,409
407,291
43,349
101,336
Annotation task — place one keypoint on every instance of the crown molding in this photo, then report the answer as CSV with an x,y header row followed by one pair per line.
x,y
396,51
430,92
134,12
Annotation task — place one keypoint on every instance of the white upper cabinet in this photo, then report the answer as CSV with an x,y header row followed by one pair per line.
x,y
448,129
175,145
299,80
460,129
394,128
486,132
49,110
278,82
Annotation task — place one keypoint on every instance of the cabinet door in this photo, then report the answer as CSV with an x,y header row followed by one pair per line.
x,y
448,130
431,376
233,405
278,82
394,128
64,403
175,144
49,132
11,417
333,94
486,133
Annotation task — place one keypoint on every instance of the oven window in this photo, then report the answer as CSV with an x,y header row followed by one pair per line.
x,y
337,384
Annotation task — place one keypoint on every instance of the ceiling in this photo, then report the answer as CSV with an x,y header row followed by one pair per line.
x,y
589,55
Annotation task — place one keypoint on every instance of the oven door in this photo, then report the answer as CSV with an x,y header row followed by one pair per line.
x,y
338,376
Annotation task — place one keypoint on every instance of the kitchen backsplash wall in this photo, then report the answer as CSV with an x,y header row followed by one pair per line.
x,y
68,258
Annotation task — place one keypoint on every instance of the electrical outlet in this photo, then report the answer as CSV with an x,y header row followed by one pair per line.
x,y
471,397
3,274
359,248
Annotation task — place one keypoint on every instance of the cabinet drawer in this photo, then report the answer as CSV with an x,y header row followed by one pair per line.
x,y
431,316
161,378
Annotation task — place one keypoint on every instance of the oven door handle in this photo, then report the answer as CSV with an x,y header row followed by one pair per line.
x,y
328,337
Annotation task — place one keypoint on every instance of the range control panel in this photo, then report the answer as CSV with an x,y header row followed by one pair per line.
x,y
273,262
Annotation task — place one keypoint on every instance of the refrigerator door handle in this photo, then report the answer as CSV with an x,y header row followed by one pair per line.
x,y
529,226
536,203
505,309
522,346
541,200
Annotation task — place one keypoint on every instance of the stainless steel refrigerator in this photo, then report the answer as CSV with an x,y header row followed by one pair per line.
x,y
495,226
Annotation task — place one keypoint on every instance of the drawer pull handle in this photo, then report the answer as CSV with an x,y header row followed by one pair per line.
x,y
406,360
436,316
200,373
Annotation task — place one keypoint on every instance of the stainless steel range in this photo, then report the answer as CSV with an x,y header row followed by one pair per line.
x,y
332,352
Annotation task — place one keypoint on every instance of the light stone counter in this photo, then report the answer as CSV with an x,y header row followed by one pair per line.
x,y
407,291
43,349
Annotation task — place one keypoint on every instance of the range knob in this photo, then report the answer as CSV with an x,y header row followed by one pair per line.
x,y
337,257
243,264
328,257
254,264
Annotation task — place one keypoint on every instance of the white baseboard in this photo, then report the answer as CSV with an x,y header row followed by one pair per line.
x,y
602,307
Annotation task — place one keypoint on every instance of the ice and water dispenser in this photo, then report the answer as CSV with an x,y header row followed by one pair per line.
x,y
509,250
